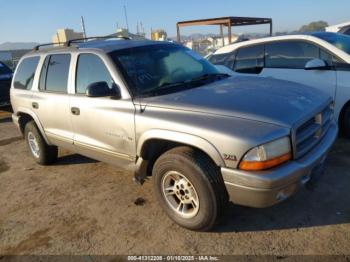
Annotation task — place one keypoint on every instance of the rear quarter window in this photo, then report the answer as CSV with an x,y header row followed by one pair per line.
x,y
219,59
25,73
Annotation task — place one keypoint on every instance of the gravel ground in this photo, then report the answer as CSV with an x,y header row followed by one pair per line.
x,y
80,206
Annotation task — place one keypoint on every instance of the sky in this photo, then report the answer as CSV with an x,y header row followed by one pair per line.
x,y
38,20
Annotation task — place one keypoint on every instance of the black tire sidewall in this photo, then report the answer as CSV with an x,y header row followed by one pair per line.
x,y
208,212
31,127
346,123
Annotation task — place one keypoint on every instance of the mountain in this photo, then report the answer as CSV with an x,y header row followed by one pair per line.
x,y
17,45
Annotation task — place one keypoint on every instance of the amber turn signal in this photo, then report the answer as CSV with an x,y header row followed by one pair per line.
x,y
263,165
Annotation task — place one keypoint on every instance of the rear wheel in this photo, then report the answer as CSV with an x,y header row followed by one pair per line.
x,y
189,187
43,153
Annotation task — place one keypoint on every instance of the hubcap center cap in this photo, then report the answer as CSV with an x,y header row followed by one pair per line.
x,y
180,194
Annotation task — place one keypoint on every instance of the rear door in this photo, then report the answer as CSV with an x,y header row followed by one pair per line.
x,y
286,60
51,102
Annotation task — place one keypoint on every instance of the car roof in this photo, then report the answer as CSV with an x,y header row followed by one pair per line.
x,y
106,45
232,47
313,37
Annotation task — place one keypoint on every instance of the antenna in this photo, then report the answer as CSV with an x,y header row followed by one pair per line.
x,y
83,26
126,18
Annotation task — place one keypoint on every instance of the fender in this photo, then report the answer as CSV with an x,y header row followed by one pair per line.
x,y
183,138
36,120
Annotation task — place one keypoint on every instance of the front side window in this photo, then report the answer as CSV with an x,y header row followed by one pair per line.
x,y
57,71
25,73
290,54
250,59
154,68
329,58
91,69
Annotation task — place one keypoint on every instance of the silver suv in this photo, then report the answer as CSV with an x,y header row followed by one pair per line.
x,y
158,109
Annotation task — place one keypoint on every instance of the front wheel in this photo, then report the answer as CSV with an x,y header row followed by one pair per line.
x,y
190,188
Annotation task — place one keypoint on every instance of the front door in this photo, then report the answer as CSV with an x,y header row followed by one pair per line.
x,y
103,126
286,60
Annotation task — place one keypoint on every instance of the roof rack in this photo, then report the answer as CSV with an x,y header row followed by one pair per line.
x,y
68,43
36,48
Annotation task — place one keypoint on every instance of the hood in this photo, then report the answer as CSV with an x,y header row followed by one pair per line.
x,y
267,100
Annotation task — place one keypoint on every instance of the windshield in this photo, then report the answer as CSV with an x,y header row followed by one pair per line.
x,y
4,69
339,40
150,69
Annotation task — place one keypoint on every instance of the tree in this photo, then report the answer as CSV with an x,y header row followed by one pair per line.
x,y
314,27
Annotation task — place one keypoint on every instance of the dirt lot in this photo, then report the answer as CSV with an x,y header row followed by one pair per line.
x,y
80,206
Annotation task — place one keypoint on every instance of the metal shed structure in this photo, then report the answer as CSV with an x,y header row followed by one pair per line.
x,y
224,22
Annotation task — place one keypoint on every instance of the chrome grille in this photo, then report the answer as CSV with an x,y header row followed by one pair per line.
x,y
311,132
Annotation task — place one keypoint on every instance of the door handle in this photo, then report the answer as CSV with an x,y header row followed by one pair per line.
x,y
35,105
75,111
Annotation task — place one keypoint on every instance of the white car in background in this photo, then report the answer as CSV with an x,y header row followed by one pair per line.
x,y
343,28
320,60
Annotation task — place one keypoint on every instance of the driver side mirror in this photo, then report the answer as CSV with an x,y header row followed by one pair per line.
x,y
316,64
101,89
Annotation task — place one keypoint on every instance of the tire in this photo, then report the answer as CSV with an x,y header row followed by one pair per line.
x,y
195,172
345,123
43,153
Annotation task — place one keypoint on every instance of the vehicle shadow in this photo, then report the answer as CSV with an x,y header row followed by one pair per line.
x,y
327,203
74,159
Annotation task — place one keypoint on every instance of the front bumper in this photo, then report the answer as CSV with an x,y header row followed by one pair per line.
x,y
267,188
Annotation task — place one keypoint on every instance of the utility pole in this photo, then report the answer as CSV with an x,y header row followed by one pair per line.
x,y
142,28
126,18
83,26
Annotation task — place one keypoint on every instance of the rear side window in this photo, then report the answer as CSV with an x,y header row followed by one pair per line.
x,y
290,54
54,74
25,73
250,59
227,59
219,59
91,69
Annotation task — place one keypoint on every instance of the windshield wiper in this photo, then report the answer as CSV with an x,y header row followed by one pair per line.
x,y
167,85
210,76
163,88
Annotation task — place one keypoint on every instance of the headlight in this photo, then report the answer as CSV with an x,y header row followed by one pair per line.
x,y
267,155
